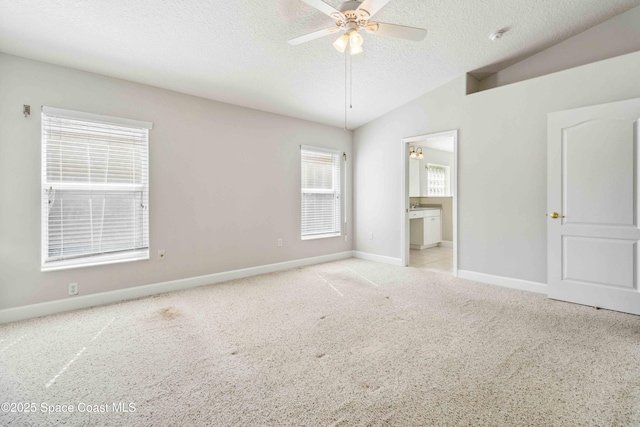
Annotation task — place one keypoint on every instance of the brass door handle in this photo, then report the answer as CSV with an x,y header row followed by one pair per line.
x,y
556,215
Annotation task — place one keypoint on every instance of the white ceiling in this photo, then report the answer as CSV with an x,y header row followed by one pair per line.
x,y
236,51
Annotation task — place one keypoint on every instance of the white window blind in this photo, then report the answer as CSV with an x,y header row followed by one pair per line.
x,y
321,204
95,189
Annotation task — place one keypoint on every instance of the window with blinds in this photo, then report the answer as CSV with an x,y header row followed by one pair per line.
x,y
321,204
95,189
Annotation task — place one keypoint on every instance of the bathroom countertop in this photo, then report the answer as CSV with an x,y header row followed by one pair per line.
x,y
424,208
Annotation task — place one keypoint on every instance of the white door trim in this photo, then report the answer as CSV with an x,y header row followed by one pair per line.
x,y
404,191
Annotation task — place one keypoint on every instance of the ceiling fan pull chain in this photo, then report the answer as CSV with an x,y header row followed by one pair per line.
x,y
352,17
350,83
346,93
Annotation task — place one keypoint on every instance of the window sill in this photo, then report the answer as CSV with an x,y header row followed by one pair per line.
x,y
94,261
320,236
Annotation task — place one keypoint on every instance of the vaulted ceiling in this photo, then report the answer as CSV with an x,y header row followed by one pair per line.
x,y
237,51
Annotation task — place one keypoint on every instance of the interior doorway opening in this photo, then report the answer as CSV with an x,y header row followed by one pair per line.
x,y
429,202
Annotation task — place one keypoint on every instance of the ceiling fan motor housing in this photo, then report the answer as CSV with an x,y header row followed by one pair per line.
x,y
351,17
350,11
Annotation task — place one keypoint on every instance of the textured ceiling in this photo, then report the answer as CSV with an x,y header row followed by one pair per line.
x,y
236,51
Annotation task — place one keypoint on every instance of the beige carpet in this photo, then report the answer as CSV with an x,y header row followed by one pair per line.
x,y
345,343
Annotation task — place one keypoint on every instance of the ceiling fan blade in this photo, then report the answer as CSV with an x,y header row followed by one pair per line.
x,y
326,8
398,31
372,6
313,36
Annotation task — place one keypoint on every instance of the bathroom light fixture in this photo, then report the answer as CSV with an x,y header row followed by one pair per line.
x,y
415,153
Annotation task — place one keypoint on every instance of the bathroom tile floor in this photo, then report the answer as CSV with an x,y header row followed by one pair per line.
x,y
436,259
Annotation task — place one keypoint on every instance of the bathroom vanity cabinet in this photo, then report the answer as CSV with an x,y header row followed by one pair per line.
x,y
425,227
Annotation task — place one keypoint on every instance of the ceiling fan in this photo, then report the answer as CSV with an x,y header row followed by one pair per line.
x,y
351,17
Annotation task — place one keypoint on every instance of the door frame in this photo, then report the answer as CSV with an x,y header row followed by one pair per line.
x,y
404,199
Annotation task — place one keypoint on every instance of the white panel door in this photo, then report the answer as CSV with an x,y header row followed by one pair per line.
x,y
592,190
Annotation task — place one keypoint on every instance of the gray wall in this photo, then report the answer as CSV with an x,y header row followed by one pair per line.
x,y
617,36
225,182
439,157
377,147
501,162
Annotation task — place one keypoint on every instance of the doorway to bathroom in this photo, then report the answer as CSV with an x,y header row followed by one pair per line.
x,y
429,202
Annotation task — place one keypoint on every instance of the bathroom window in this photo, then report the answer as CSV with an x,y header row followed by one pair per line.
x,y
438,177
95,189
321,198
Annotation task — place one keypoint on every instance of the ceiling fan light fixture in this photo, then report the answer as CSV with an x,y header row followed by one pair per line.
x,y
341,43
355,38
355,49
352,16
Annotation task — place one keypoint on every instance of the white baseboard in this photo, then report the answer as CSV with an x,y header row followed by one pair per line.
x,y
85,301
377,258
507,282
446,244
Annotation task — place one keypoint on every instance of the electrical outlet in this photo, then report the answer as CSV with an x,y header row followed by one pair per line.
x,y
345,237
279,242
370,236
73,289
161,254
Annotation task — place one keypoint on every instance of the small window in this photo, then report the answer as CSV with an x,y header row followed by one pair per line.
x,y
438,180
321,204
95,189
